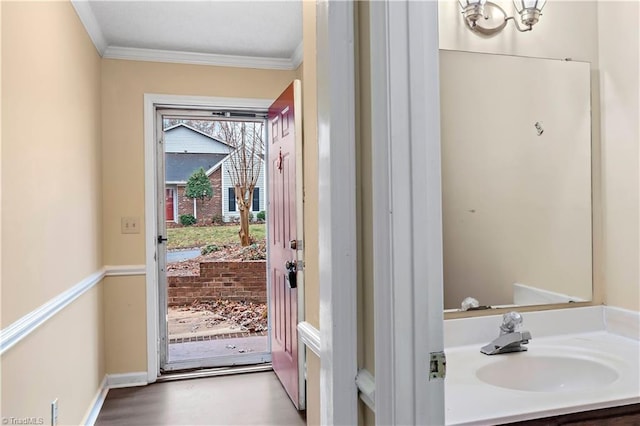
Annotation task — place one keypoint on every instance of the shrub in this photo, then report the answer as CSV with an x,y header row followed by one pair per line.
x,y
250,217
187,219
262,215
209,249
217,219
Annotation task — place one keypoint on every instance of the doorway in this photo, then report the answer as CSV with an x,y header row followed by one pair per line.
x,y
212,260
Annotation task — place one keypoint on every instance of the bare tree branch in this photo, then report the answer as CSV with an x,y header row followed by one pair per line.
x,y
246,154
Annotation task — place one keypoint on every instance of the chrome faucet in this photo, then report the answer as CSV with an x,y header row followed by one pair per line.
x,y
509,339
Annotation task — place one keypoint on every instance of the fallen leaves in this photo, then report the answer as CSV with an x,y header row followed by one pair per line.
x,y
247,316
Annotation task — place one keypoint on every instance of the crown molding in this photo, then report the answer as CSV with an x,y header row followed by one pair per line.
x,y
88,19
194,58
297,56
91,25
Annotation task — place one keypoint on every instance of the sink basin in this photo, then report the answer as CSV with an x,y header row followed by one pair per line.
x,y
538,373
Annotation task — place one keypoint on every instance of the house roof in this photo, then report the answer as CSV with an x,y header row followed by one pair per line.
x,y
184,138
179,166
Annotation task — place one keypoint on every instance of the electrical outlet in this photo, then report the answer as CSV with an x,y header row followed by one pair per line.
x,y
54,412
130,225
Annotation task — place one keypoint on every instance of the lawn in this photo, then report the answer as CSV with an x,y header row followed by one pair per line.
x,y
200,236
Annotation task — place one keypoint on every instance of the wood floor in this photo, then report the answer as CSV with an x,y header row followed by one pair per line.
x,y
241,399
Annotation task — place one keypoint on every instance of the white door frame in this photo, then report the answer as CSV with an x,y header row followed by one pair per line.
x,y
407,214
337,212
151,101
408,287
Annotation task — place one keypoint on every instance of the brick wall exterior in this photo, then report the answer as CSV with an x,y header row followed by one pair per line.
x,y
207,208
237,281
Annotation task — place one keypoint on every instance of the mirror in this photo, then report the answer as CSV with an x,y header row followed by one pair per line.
x,y
516,179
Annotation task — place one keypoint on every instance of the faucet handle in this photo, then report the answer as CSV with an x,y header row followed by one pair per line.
x,y
510,321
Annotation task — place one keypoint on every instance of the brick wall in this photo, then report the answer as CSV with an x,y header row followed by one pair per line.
x,y
206,208
239,280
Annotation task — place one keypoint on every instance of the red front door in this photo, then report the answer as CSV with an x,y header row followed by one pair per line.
x,y
282,216
168,204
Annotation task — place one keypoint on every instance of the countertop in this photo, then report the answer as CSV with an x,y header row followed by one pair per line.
x,y
470,401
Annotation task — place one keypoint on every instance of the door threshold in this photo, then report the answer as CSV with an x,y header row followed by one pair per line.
x,y
213,372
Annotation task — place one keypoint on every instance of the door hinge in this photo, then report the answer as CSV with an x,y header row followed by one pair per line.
x,y
437,365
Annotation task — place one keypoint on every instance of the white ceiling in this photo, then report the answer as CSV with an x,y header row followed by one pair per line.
x,y
265,34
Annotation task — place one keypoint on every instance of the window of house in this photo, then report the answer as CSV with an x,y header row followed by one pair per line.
x,y
232,200
256,200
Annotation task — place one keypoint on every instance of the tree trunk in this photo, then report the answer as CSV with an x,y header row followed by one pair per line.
x,y
245,238
244,206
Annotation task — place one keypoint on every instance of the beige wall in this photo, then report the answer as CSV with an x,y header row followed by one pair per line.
x,y
51,145
516,205
63,359
124,84
619,89
51,208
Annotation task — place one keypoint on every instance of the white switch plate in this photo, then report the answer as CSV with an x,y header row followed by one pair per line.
x,y
130,225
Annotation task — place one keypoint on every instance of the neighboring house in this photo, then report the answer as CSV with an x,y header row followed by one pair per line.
x,y
229,208
188,149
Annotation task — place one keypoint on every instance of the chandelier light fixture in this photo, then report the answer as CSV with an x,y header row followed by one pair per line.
x,y
487,18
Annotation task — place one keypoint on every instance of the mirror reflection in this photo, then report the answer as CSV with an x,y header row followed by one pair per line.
x,y
516,179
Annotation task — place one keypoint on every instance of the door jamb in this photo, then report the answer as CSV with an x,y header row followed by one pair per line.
x,y
407,213
151,202
337,211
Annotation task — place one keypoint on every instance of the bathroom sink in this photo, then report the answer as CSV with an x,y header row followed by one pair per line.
x,y
546,373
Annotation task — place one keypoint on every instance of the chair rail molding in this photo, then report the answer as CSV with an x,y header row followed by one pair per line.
x,y
124,270
24,326
310,336
367,388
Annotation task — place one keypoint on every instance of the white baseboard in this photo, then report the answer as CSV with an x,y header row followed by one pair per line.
x,y
111,381
127,380
96,404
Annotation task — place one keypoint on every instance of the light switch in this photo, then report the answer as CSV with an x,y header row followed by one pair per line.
x,y
130,225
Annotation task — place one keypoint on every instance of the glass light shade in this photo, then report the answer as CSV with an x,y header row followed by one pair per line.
x,y
529,11
522,5
472,10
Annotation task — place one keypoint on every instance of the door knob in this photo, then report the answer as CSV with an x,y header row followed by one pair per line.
x,y
291,267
